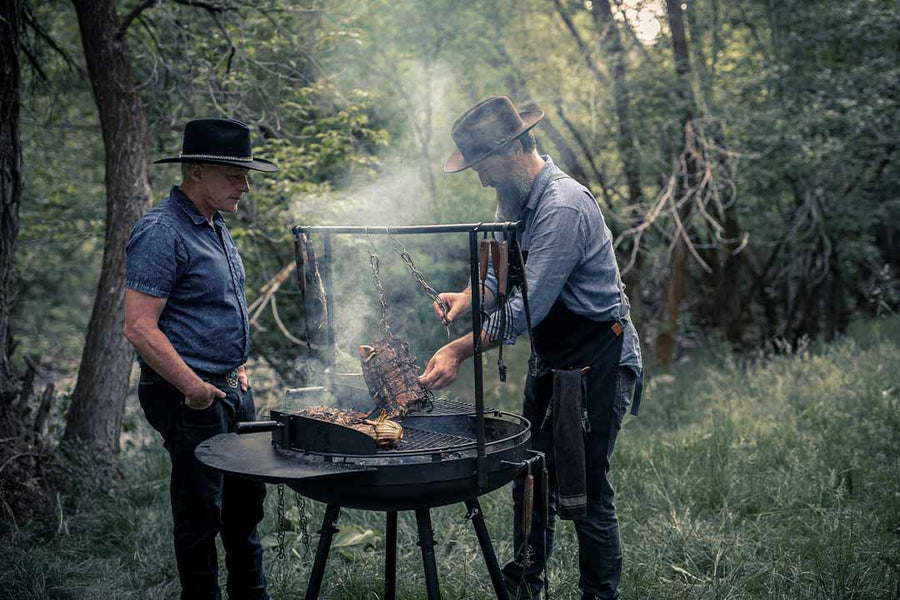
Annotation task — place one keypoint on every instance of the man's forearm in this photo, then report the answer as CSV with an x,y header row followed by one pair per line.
x,y
156,349
463,348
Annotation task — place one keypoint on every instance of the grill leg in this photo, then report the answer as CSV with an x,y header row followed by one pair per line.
x,y
332,511
426,541
484,540
390,557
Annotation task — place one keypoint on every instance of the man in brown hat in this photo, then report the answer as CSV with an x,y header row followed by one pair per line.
x,y
186,315
587,350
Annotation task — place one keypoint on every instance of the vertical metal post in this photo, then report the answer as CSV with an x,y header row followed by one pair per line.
x,y
332,511
390,557
426,541
329,299
487,549
476,358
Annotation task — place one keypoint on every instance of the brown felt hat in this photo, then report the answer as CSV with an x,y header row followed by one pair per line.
x,y
485,128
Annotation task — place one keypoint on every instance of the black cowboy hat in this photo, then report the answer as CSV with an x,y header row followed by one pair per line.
x,y
220,142
485,128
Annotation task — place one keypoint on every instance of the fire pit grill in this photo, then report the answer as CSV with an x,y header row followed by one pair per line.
x,y
452,451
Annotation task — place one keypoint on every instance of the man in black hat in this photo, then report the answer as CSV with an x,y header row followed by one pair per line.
x,y
186,315
586,350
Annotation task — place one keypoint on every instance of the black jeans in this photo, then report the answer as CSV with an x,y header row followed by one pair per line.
x,y
599,546
204,502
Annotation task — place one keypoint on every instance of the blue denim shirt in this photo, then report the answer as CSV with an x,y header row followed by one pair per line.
x,y
570,257
174,253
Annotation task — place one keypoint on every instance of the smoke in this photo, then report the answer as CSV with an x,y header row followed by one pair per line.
x,y
410,188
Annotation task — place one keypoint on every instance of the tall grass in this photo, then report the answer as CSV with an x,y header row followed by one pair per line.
x,y
773,477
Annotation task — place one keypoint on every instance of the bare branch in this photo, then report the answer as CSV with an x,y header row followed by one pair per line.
x,y
131,16
212,7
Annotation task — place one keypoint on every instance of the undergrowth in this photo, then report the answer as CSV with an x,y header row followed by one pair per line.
x,y
773,476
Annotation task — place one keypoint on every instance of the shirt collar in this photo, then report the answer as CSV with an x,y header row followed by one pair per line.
x,y
188,207
541,182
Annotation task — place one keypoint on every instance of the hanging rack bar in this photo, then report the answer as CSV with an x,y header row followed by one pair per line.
x,y
408,229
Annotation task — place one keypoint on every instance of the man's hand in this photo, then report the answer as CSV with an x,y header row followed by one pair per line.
x,y
243,379
202,395
442,369
457,302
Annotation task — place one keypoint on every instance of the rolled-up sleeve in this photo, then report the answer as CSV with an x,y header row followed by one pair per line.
x,y
556,248
152,259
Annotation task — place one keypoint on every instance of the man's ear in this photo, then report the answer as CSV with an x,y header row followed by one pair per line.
x,y
519,148
197,171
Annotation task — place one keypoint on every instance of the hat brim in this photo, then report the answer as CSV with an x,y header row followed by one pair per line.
x,y
257,164
457,162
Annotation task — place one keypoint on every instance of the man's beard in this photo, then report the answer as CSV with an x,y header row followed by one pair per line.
x,y
513,194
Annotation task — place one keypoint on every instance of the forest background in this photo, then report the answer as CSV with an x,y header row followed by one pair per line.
x,y
743,154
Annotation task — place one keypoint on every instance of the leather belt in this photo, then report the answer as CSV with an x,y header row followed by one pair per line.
x,y
230,378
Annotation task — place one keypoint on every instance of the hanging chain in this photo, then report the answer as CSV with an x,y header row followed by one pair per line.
x,y
303,522
385,326
281,521
376,277
420,279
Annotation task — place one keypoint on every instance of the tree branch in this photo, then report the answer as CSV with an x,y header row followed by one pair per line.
x,y
131,16
212,7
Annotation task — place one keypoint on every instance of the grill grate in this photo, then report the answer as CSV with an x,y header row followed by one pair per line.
x,y
447,406
421,439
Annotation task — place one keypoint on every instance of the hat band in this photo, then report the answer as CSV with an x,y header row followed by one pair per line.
x,y
217,157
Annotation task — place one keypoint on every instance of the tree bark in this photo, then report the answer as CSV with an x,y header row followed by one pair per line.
x,y
612,42
674,288
10,195
98,400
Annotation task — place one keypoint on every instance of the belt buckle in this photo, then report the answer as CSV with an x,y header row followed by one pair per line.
x,y
231,378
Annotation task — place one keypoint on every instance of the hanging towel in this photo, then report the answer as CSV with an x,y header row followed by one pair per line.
x,y
570,427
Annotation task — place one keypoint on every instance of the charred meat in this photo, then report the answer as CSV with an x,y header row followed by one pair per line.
x,y
391,374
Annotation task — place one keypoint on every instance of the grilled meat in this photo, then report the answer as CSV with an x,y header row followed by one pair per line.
x,y
391,374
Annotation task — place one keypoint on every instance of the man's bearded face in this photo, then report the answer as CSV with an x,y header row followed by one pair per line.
x,y
508,175
512,194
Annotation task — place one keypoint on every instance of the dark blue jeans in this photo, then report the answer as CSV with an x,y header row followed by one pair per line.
x,y
204,502
599,547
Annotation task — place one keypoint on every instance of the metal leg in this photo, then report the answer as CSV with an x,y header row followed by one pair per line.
x,y
484,540
390,557
426,541
332,511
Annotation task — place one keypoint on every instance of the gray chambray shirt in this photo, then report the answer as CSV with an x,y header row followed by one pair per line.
x,y
174,253
570,257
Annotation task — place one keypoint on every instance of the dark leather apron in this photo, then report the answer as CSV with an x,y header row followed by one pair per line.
x,y
567,341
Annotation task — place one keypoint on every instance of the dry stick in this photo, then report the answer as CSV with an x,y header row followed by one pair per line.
x,y
700,194
281,326
40,420
267,291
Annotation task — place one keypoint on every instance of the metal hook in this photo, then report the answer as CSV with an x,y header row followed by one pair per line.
x,y
368,237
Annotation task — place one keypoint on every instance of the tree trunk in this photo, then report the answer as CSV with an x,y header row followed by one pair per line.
x,y
612,42
674,288
98,401
10,194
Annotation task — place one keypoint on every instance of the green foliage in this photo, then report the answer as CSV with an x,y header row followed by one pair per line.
x,y
355,101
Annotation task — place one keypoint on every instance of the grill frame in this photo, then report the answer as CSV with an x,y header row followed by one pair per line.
x,y
301,247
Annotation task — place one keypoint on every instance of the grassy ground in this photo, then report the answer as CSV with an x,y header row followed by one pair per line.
x,y
777,477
